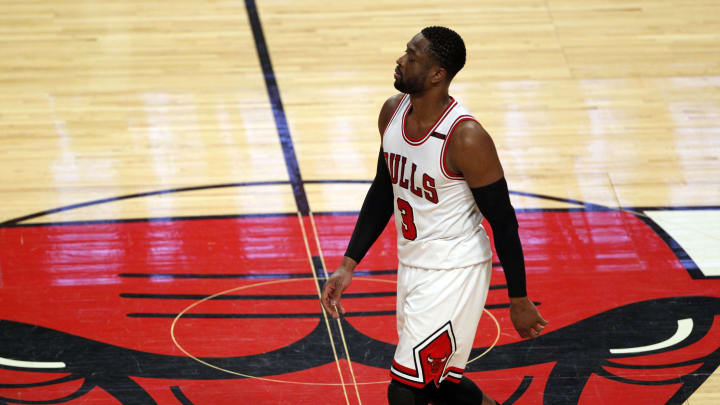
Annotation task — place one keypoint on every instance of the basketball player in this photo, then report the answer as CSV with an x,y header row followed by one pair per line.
x,y
436,167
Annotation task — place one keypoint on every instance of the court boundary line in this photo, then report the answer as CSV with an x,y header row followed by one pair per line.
x,y
276,105
581,206
290,157
136,195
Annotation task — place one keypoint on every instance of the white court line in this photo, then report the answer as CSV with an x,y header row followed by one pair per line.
x,y
339,324
325,316
683,331
31,364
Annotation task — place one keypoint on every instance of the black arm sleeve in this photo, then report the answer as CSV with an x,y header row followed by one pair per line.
x,y
374,214
494,203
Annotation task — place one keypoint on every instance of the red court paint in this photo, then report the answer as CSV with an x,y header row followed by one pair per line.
x,y
116,288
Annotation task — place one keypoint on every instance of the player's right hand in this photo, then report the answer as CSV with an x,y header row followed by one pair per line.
x,y
333,289
526,318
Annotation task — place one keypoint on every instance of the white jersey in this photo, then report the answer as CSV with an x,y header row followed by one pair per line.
x,y
436,217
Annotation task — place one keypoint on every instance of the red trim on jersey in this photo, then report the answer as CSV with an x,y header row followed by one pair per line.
x,y
406,381
382,135
452,379
414,373
422,140
443,164
455,370
404,369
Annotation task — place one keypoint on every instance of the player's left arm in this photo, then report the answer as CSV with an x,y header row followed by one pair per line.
x,y
472,152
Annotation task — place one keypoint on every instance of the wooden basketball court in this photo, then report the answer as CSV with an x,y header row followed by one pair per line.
x,y
178,177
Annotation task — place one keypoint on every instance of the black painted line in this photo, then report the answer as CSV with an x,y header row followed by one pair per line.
x,y
11,224
335,213
524,385
696,361
16,222
136,195
589,206
214,275
517,210
296,180
320,271
151,219
338,182
256,316
223,316
87,385
369,313
569,209
362,273
278,110
610,376
678,208
502,306
184,400
280,316
71,377
245,276
235,297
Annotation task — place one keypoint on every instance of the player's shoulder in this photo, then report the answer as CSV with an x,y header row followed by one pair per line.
x,y
470,135
392,102
387,110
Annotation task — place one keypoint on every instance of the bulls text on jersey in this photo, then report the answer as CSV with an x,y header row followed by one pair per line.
x,y
397,167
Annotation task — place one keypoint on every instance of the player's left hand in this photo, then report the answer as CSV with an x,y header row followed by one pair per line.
x,y
333,289
526,318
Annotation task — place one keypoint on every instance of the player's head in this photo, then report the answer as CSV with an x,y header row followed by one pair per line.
x,y
433,57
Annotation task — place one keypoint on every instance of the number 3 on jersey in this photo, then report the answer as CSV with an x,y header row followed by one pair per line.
x,y
408,220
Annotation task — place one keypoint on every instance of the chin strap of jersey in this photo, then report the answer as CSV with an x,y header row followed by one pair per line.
x,y
374,214
494,203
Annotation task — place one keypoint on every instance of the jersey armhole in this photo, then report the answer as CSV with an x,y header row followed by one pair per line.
x,y
392,116
443,154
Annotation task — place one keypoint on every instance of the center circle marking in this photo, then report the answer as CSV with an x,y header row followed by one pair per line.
x,y
245,287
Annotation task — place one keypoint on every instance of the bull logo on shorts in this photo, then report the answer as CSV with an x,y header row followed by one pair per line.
x,y
437,363
435,355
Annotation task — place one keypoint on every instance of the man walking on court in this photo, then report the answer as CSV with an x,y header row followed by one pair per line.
x,y
436,167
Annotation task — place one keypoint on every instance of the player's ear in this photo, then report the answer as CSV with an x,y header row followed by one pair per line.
x,y
439,75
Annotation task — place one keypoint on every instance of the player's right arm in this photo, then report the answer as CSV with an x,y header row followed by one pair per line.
x,y
374,216
472,153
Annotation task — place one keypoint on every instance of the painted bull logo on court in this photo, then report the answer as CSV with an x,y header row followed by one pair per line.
x,y
573,359
649,319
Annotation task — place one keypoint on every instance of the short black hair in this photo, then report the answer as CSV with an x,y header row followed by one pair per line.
x,y
446,47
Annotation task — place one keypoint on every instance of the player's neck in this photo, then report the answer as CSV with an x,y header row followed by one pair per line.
x,y
427,106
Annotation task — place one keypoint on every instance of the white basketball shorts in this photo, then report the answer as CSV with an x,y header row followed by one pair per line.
x,y
437,316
